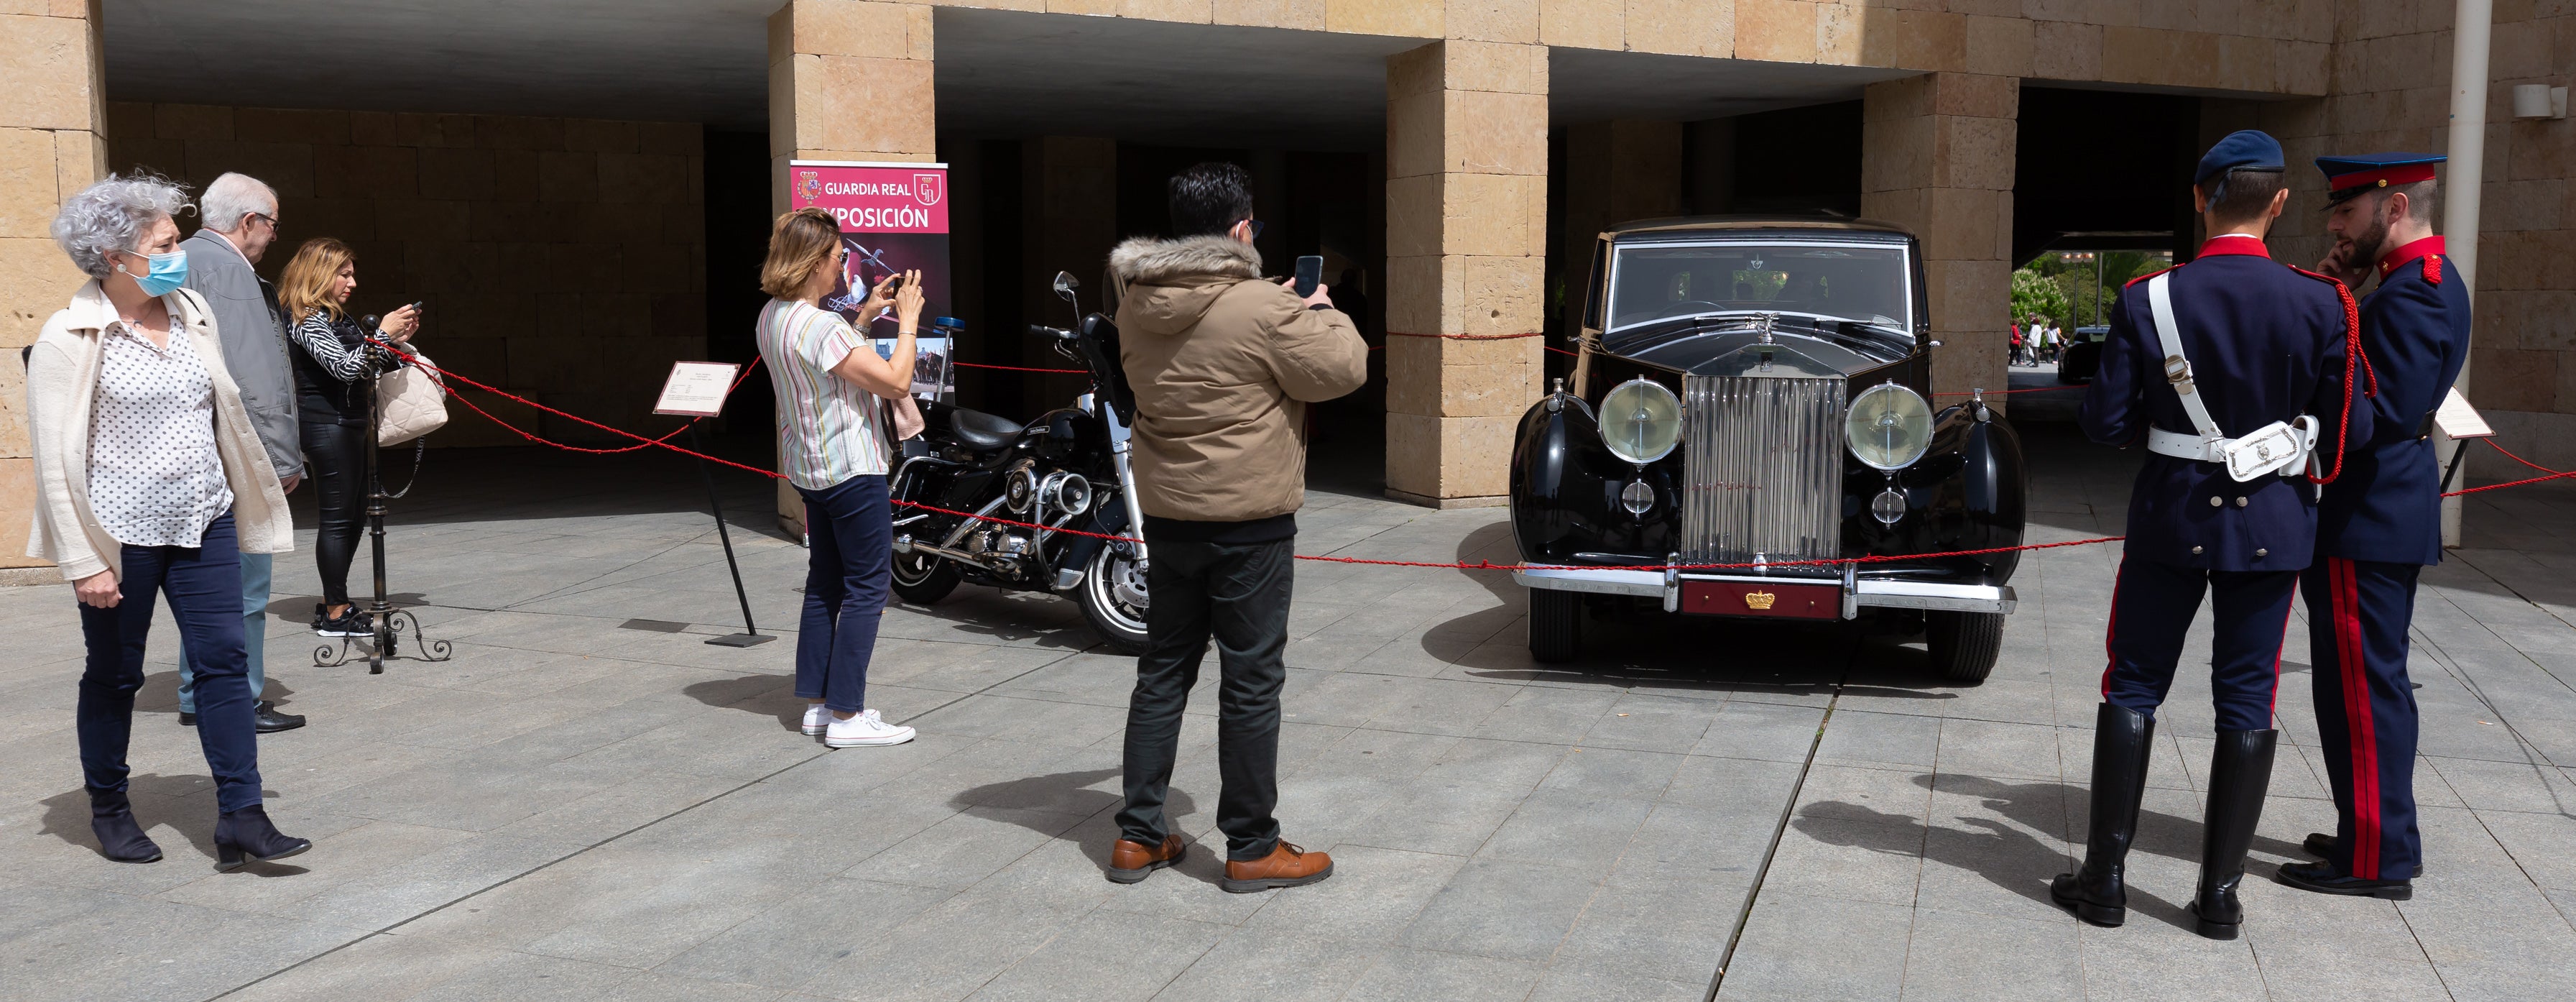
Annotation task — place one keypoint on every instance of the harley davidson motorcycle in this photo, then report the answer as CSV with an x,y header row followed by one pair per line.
x,y
1066,470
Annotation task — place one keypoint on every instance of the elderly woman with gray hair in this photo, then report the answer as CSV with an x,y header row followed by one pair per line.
x,y
151,480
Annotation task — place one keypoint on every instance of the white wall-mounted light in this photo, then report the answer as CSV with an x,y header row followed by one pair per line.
x,y
2539,101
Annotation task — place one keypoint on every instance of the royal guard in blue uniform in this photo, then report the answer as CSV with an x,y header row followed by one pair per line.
x,y
2380,524
2232,371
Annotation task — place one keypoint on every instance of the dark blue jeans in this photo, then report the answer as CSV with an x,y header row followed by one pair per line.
x,y
204,586
851,529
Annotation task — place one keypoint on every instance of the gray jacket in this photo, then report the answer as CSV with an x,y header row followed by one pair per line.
x,y
254,338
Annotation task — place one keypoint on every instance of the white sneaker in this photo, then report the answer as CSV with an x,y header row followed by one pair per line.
x,y
817,717
864,729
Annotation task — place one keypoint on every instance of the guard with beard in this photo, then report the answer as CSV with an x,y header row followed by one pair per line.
x,y
2380,524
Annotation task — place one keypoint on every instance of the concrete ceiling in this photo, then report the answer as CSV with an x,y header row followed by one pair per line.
x,y
1591,85
1000,73
658,60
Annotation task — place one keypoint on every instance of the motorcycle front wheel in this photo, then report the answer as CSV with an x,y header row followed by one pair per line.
x,y
921,579
1112,596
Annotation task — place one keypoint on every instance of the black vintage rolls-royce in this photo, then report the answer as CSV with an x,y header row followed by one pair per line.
x,y
1757,392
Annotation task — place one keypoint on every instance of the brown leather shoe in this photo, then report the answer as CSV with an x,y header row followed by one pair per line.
x,y
1286,866
1131,861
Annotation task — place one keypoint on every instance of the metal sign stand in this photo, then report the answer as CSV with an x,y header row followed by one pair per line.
x,y
697,390
390,624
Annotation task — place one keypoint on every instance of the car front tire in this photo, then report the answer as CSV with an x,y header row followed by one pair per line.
x,y
1555,625
1964,645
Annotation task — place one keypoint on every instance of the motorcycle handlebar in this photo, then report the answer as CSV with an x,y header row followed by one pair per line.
x,y
1058,333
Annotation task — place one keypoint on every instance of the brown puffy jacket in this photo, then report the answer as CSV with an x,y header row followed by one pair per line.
x,y
1223,363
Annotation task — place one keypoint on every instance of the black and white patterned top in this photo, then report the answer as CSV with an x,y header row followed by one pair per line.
x,y
154,476
342,360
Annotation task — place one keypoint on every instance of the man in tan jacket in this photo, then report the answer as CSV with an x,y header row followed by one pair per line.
x,y
1223,364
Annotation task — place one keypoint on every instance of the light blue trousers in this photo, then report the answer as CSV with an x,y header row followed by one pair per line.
x,y
254,574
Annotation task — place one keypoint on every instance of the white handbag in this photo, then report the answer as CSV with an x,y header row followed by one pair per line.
x,y
2282,447
410,402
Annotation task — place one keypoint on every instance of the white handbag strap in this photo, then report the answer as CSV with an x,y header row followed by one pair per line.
x,y
2177,367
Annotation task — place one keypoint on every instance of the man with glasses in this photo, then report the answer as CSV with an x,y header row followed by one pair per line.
x,y
240,215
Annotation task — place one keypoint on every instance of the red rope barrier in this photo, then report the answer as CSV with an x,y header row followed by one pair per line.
x,y
2553,474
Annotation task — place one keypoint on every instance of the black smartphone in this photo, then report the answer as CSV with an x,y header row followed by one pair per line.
x,y
1310,273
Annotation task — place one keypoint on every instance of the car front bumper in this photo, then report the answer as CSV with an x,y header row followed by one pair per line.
x,y
1856,592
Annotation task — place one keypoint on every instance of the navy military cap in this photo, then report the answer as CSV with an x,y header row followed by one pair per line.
x,y
2244,149
2350,176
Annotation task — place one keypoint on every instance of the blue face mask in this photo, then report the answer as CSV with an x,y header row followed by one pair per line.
x,y
167,272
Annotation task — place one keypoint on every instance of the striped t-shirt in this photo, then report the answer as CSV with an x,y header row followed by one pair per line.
x,y
827,426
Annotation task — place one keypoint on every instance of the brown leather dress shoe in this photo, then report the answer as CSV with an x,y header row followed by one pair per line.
x,y
1131,861
1286,866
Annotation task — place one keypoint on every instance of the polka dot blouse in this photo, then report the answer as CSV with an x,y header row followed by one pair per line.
x,y
154,476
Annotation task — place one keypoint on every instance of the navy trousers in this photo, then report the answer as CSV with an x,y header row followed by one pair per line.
x,y
204,586
2152,606
850,528
2358,611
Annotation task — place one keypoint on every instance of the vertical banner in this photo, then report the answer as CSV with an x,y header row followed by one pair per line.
x,y
894,218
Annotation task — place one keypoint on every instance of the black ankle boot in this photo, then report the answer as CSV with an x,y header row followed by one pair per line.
x,y
245,835
2239,774
111,818
2099,893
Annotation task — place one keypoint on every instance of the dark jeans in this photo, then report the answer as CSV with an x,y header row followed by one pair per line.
x,y
2152,606
336,456
851,529
205,590
1237,594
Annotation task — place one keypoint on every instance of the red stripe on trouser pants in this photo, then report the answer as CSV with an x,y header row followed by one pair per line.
x,y
2349,656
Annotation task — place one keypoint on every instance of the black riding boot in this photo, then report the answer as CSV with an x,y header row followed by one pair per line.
x,y
2239,774
111,818
2122,741
245,835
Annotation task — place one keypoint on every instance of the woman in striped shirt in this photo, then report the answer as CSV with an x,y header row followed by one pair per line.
x,y
332,409
837,401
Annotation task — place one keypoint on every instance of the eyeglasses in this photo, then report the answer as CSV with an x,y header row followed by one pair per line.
x,y
272,220
1255,235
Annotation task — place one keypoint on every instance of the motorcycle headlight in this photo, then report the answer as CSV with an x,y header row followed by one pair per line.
x,y
1641,421
1889,427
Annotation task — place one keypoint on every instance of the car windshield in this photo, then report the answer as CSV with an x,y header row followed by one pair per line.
x,y
1847,281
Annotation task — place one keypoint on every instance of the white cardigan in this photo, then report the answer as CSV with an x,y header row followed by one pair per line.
x,y
62,382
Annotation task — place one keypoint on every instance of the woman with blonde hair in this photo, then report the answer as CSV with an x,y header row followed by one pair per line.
x,y
332,408
151,480
836,402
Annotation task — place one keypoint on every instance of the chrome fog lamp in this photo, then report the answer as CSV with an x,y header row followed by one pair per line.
x,y
1641,421
1637,497
1888,427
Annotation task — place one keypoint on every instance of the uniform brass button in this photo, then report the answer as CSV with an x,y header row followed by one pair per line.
x,y
2215,501
2240,502
2195,549
2262,552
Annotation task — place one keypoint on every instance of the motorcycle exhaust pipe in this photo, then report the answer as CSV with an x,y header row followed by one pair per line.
x,y
905,545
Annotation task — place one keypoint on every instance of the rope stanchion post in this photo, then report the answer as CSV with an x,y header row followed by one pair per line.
x,y
750,635
387,623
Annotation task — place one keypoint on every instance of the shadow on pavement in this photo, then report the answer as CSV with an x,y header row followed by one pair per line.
x,y
1039,802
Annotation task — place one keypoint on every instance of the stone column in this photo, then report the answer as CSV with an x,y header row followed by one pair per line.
x,y
848,80
1466,234
53,142
1937,156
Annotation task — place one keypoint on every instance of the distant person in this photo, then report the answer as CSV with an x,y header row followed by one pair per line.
x,y
836,443
240,215
1223,365
333,408
151,481
2018,349
2260,344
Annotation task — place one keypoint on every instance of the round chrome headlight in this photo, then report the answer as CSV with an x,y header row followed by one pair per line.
x,y
1889,426
1641,421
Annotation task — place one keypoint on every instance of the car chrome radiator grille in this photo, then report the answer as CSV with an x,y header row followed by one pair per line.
x,y
1764,459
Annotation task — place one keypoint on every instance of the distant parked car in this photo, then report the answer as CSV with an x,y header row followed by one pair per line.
x,y
1756,391
2083,356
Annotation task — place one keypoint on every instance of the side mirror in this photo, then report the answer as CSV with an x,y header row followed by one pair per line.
x,y
1064,285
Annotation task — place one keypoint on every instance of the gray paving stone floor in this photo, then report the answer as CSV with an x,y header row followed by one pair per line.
x,y
577,808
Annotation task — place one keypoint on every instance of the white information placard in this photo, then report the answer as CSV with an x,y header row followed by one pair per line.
x,y
696,389
2457,419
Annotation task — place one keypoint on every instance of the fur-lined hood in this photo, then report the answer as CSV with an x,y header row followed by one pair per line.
x,y
1168,285
1150,261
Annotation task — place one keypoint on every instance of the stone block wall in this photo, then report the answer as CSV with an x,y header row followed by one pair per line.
x,y
51,145
560,258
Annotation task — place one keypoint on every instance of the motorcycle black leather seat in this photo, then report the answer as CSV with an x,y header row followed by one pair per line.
x,y
978,430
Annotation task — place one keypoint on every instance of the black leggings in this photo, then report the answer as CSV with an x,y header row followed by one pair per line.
x,y
336,456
